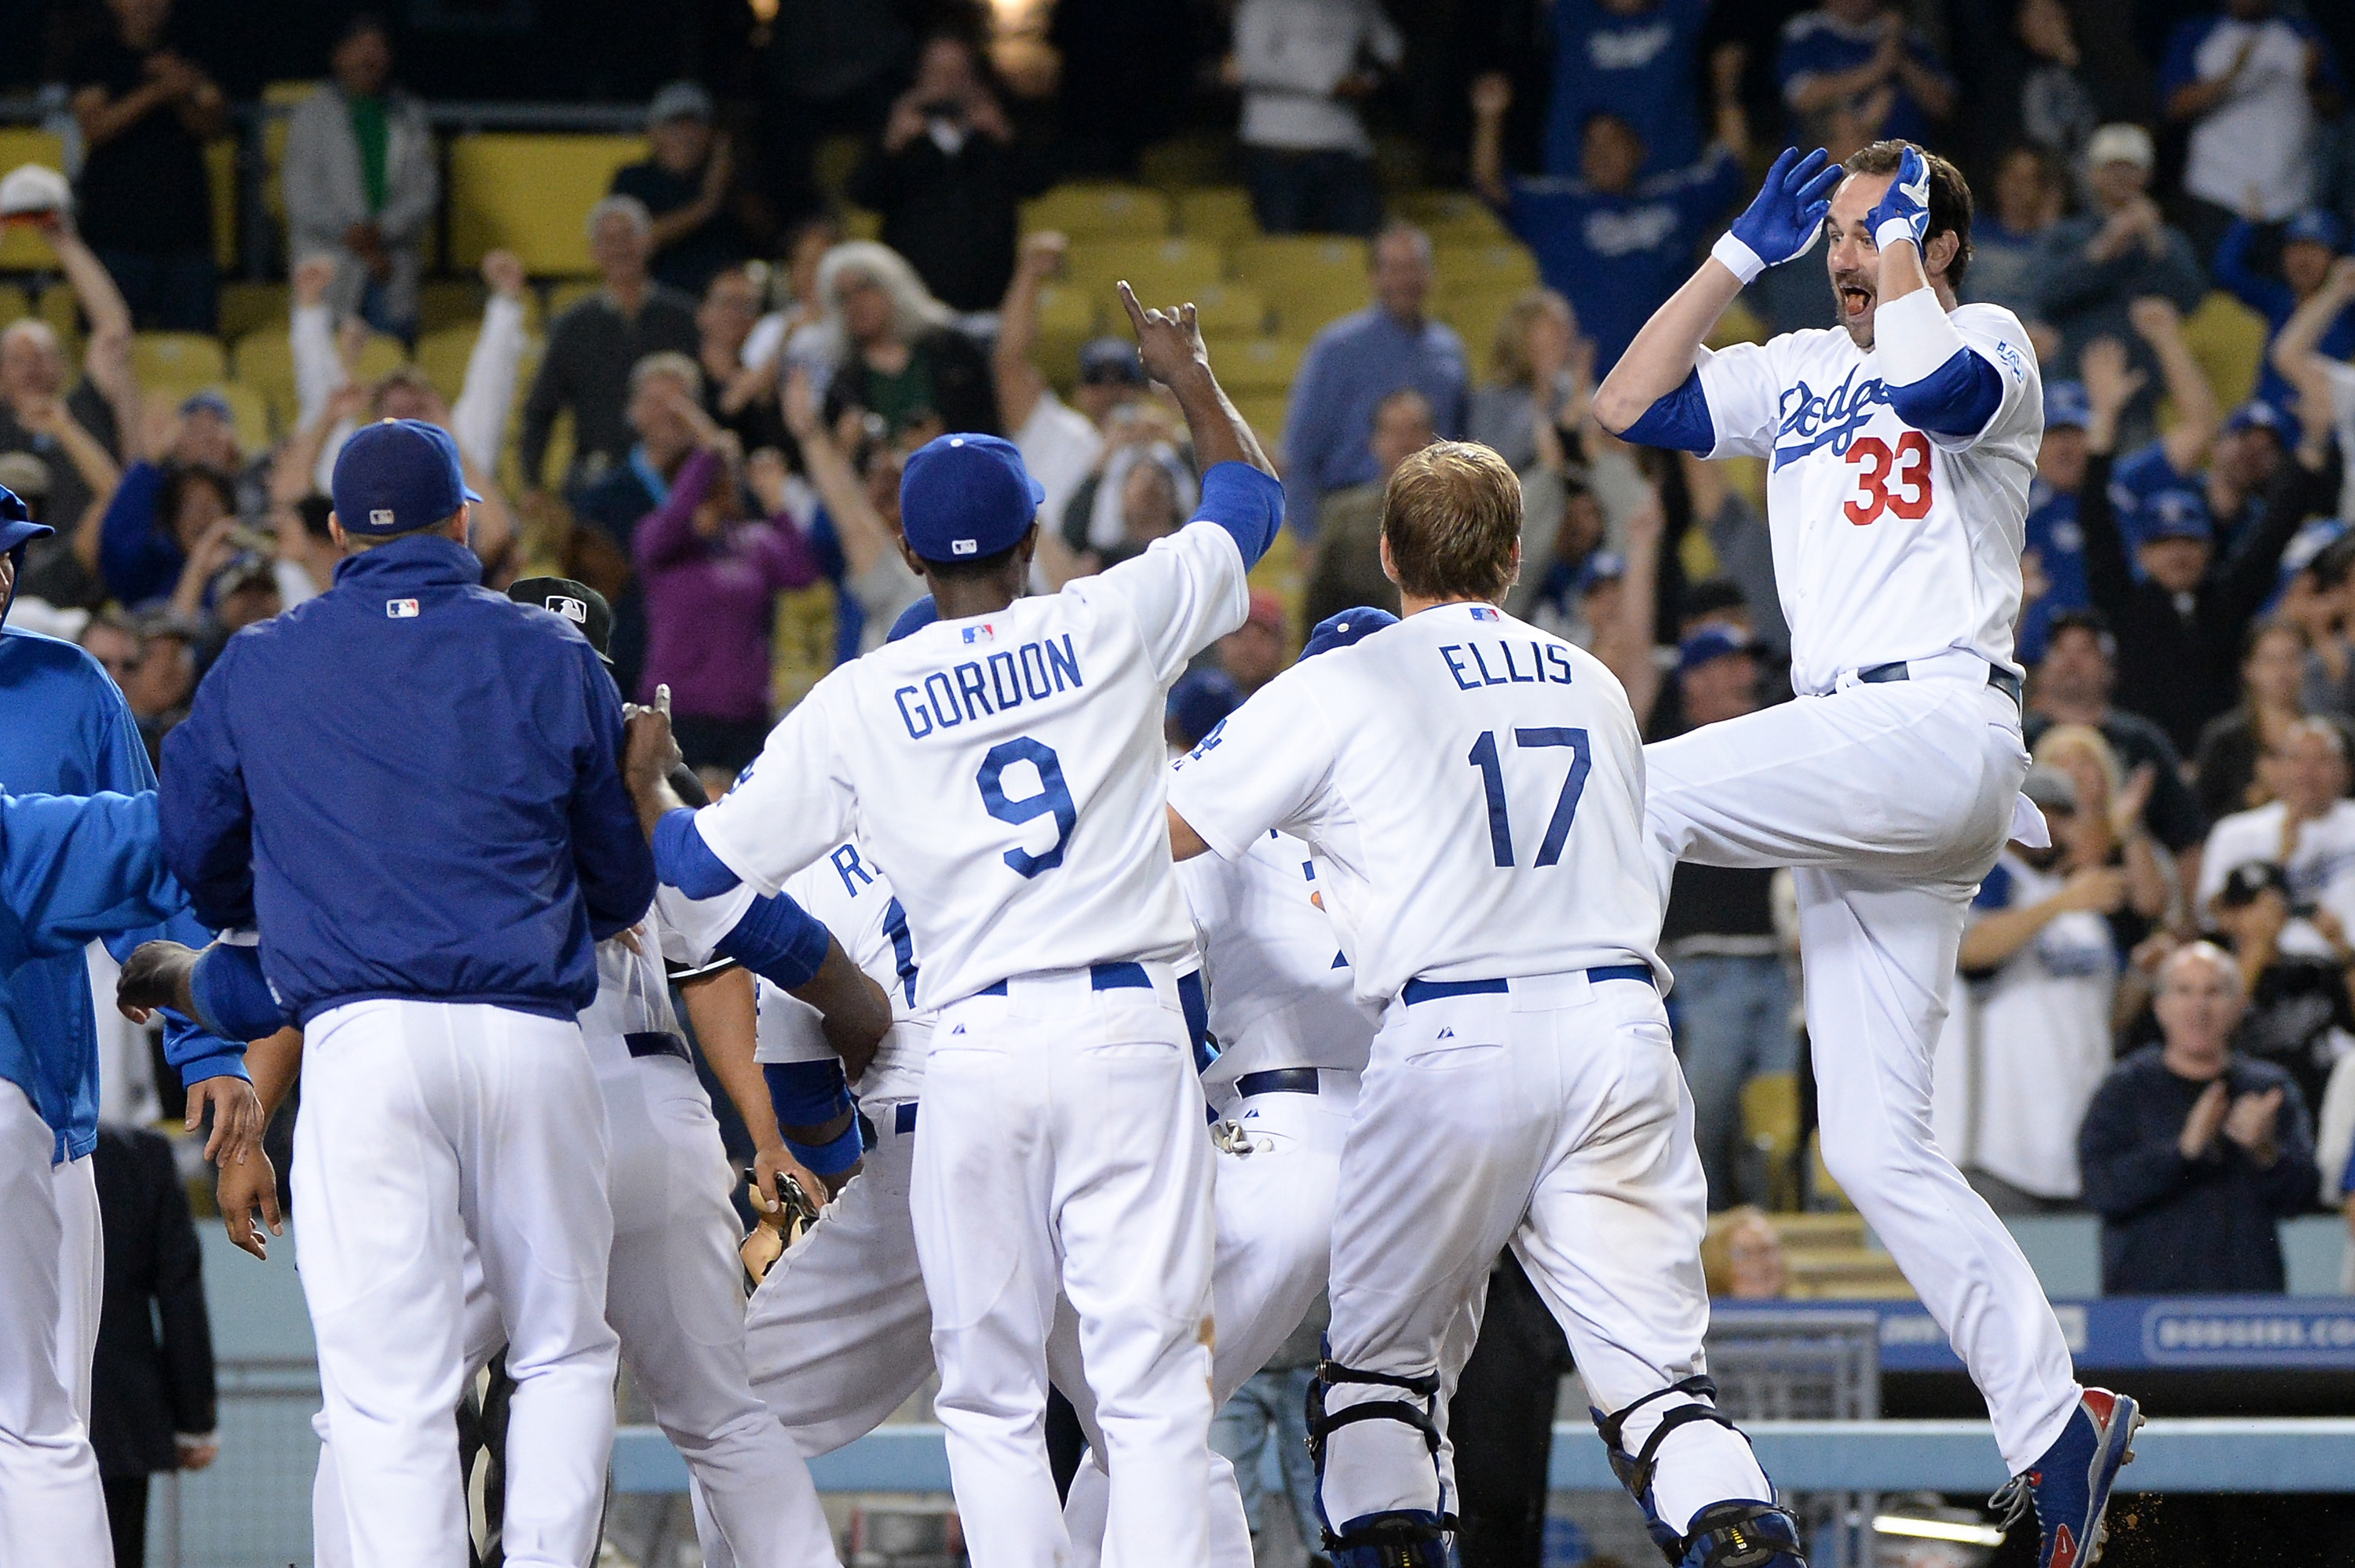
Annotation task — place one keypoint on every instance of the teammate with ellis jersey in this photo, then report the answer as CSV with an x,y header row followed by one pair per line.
x,y
1006,764
1899,446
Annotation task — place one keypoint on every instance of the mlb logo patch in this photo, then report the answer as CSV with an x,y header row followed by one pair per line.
x,y
986,632
400,608
381,517
572,609
1483,612
964,547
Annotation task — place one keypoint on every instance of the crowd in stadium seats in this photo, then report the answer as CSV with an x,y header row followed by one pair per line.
x,y
699,405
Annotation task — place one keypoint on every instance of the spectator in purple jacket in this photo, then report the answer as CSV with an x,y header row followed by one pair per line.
x,y
711,576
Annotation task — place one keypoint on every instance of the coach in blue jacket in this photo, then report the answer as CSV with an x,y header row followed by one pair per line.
x,y
410,787
65,729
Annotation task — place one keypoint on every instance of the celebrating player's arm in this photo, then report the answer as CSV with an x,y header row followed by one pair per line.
x,y
720,1005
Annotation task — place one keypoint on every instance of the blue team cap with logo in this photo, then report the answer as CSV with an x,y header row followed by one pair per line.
x,y
397,476
1709,642
1198,702
2316,226
2256,414
2066,404
965,496
1347,627
1602,567
2177,514
913,618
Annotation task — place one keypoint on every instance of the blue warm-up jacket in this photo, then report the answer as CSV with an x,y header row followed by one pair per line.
x,y
411,787
74,869
66,730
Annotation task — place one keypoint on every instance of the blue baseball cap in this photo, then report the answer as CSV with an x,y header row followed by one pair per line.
x,y
17,528
397,476
2256,414
208,402
913,618
2176,515
2317,225
1347,627
1713,641
2066,404
1602,567
964,497
1199,700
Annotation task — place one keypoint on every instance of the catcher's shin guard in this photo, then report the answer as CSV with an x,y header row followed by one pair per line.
x,y
1396,1538
1735,1534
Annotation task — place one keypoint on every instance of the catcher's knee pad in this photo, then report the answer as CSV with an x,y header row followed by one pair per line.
x,y
1402,1538
1742,1535
1635,1471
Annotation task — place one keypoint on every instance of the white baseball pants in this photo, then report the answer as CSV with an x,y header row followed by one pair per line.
x,y
674,1296
427,1127
1552,1118
1063,1149
1274,1209
1891,801
52,1508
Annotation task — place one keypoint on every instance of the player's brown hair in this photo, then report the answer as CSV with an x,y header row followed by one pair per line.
x,y
1453,517
1950,197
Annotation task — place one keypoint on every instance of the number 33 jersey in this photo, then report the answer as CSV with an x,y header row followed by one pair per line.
x,y
1010,768
1474,791
1890,543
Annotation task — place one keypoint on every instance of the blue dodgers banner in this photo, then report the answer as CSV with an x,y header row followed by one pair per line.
x,y
2183,1333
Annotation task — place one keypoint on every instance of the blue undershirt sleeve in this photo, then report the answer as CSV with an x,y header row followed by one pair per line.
x,y
778,941
683,860
233,1001
1246,503
1678,421
1957,398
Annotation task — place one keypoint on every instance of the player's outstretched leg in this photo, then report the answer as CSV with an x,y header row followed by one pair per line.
x,y
2068,1490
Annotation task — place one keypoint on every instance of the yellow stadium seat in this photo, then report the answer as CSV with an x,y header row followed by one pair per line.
x,y
1453,218
531,195
1770,1124
1068,317
251,414
1257,365
281,96
1738,324
1162,271
1230,310
249,307
1307,279
836,160
14,302
23,249
1197,159
2227,339
1507,265
443,357
1094,210
861,223
265,360
1475,313
58,307
563,297
1263,412
177,360
1218,214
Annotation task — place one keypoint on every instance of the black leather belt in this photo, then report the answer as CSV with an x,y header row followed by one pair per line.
x,y
1278,1081
658,1042
2001,678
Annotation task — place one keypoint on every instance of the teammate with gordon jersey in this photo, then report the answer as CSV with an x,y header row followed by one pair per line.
x,y
1006,764
1901,445
1474,788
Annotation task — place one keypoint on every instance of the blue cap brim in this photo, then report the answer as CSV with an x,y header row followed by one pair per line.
x,y
468,493
14,534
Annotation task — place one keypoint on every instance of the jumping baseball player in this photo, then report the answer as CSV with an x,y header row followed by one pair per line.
x,y
1900,448
67,731
72,870
1473,789
1005,763
427,903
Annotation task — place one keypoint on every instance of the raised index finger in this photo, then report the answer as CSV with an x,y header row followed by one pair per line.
x,y
1136,311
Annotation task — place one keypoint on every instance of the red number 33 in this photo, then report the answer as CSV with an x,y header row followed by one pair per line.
x,y
1911,463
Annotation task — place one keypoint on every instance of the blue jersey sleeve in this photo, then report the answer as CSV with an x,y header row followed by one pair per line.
x,y
233,1001
1957,398
1247,503
1679,421
684,861
779,940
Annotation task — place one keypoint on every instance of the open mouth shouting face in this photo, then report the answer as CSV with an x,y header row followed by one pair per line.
x,y
1851,258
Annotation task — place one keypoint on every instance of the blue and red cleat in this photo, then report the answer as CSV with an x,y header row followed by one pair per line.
x,y
2069,1488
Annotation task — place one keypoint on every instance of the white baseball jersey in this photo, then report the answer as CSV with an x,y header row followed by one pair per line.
x,y
1008,768
1474,791
1890,543
633,988
848,893
1280,986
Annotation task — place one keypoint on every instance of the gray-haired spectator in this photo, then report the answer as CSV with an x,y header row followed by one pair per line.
x,y
893,348
361,181
592,346
1302,66
2119,250
1357,362
2044,973
688,185
2190,1153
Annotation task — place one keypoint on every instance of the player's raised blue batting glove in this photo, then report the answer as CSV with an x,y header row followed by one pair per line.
x,y
1904,212
1783,220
